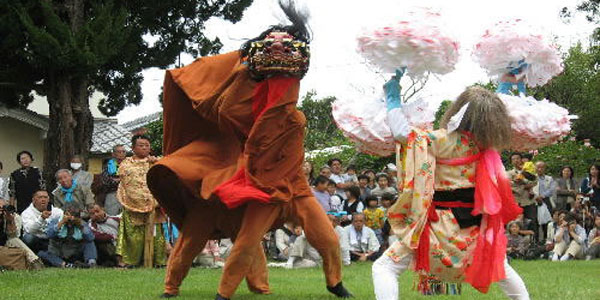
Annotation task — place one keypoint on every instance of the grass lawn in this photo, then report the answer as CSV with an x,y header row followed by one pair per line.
x,y
544,279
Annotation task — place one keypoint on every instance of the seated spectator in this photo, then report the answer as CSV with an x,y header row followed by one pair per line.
x,y
71,240
225,246
526,228
105,229
516,243
383,186
302,254
570,240
70,193
374,217
10,226
362,240
351,205
282,241
36,219
551,231
593,251
582,213
83,177
363,181
210,257
335,200
339,230
321,193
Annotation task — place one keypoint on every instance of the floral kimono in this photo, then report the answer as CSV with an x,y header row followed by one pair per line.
x,y
437,165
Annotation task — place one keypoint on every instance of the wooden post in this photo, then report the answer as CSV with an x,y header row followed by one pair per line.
x,y
149,241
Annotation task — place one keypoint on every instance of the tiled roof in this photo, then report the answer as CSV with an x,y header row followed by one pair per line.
x,y
107,134
26,116
142,121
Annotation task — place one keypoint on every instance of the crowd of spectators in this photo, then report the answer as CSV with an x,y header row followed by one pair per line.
x,y
356,203
107,219
91,220
561,215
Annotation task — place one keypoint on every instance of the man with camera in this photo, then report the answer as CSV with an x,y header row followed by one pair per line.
x,y
71,240
36,219
10,229
570,240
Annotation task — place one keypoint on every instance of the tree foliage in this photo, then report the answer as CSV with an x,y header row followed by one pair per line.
x,y
155,133
568,153
321,130
107,41
65,49
578,90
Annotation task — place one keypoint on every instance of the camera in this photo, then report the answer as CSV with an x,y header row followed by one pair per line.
x,y
9,209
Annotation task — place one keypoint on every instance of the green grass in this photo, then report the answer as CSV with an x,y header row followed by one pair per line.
x,y
544,280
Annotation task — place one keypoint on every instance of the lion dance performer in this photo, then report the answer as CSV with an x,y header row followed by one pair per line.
x,y
233,140
455,198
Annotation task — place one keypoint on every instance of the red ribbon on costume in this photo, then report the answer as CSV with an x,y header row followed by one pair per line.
x,y
239,189
495,201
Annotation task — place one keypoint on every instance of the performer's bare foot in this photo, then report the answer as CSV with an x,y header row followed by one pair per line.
x,y
340,291
167,295
219,297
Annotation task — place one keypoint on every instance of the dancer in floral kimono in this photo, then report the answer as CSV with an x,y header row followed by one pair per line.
x,y
454,191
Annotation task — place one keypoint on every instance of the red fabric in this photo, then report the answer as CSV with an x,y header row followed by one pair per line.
x,y
459,161
239,189
422,260
493,199
268,92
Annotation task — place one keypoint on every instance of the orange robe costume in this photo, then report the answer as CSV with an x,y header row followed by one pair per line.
x,y
217,137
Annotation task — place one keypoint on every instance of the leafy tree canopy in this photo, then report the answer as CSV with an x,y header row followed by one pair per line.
x,y
107,41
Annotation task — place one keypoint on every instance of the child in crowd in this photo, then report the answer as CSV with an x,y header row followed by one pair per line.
x,y
321,192
335,200
351,173
351,204
594,240
387,200
363,182
374,217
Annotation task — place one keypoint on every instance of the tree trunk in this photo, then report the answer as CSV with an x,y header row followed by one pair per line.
x,y
70,125
71,122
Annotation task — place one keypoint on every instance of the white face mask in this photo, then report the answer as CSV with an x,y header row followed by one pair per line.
x,y
75,166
